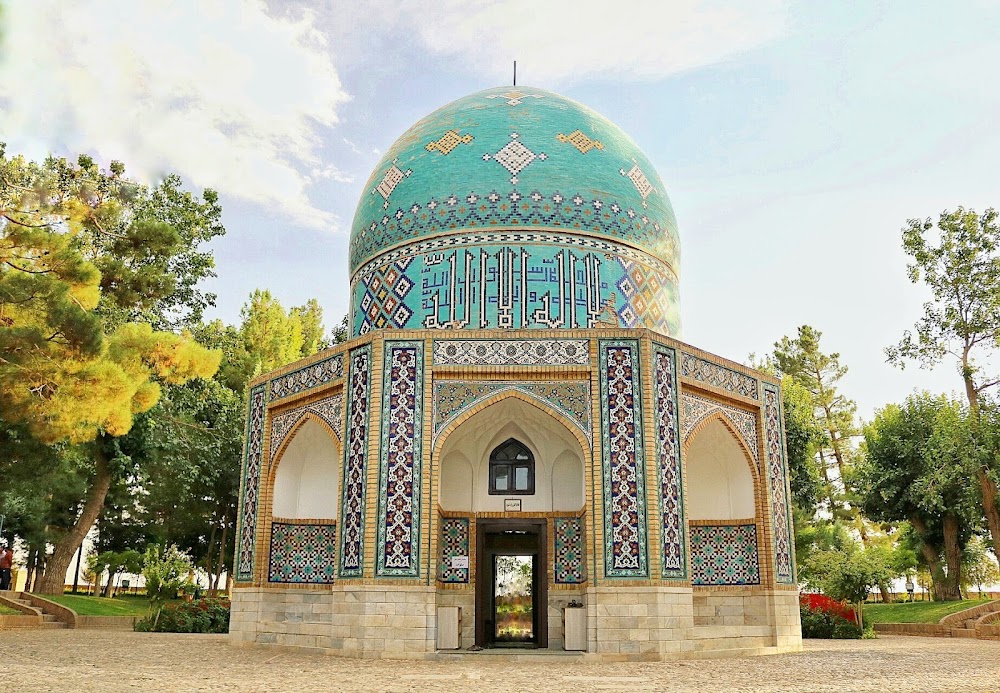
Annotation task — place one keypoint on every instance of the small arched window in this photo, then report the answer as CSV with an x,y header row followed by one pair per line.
x,y
512,469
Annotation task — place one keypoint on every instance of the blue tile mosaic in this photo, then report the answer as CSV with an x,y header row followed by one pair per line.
x,y
302,553
724,555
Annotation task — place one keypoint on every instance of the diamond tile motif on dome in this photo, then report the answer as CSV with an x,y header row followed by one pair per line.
x,y
448,141
514,156
580,141
515,97
393,177
639,180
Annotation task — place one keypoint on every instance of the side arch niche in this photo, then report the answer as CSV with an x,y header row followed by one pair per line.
x,y
307,477
721,505
465,452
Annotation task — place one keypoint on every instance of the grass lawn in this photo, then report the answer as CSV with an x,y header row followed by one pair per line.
x,y
916,612
127,605
7,611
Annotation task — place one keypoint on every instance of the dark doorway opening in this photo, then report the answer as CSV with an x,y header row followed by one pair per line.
x,y
511,584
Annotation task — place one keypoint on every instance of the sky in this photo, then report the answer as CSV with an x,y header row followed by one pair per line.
x,y
795,139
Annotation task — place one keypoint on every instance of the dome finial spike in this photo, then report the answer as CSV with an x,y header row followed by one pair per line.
x,y
515,73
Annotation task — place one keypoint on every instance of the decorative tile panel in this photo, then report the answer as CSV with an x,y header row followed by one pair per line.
x,y
331,410
355,463
252,459
724,555
719,376
569,397
454,543
622,460
668,454
303,553
383,298
308,377
511,352
695,409
569,564
777,481
399,470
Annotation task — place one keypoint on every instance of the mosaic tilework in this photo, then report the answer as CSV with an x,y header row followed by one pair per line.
x,y
306,378
454,542
569,565
622,460
724,555
399,468
778,486
516,280
514,156
719,376
579,140
383,298
668,455
302,553
252,457
571,398
511,352
515,97
448,141
330,409
695,409
355,463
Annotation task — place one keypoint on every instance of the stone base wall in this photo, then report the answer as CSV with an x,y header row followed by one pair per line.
x,y
354,621
624,623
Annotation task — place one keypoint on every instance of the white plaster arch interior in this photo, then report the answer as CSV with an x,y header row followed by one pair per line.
x,y
559,460
307,478
719,484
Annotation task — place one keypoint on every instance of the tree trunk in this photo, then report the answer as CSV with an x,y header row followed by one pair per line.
x,y
222,555
931,552
209,564
54,577
953,557
987,487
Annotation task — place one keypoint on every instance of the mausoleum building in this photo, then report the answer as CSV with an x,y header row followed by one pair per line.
x,y
513,449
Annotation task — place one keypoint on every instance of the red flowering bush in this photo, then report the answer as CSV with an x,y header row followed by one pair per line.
x,y
828,605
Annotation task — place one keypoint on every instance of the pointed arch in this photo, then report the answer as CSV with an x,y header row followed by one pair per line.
x,y
721,480
305,474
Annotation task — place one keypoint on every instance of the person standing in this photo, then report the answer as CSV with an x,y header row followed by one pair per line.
x,y
6,563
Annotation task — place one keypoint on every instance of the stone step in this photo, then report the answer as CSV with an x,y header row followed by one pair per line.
x,y
963,632
51,625
49,618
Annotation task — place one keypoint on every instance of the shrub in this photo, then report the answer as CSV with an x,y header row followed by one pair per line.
x,y
201,616
821,602
823,617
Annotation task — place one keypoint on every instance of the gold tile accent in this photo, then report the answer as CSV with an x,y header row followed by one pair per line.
x,y
580,141
448,141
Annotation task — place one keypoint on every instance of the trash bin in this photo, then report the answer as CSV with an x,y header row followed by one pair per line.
x,y
574,627
449,627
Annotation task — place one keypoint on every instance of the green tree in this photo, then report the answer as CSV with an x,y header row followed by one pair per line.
x,y
958,259
85,266
851,575
166,571
978,566
918,458
803,436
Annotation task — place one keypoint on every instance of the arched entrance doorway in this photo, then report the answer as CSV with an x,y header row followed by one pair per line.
x,y
512,472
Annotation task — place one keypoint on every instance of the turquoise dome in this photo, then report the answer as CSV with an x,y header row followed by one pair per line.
x,y
514,207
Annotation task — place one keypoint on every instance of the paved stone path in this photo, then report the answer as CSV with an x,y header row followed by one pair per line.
x,y
75,660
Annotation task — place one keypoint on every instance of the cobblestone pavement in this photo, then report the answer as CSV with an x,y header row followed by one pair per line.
x,y
68,660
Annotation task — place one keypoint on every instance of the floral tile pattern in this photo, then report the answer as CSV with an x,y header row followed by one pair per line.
x,y
356,464
308,377
668,453
777,482
252,459
719,376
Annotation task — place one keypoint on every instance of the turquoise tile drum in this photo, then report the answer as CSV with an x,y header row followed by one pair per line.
x,y
400,461
250,486
724,555
303,553
514,209
622,460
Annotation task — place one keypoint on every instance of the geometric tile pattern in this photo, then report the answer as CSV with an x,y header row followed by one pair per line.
x,y
511,352
695,409
252,458
569,397
718,376
355,463
399,468
447,142
302,553
454,543
778,485
331,410
639,180
579,140
668,453
622,460
572,210
645,291
384,301
515,97
569,566
724,555
306,378
514,156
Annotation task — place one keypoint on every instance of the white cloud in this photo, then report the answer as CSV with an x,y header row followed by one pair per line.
x,y
566,40
216,90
